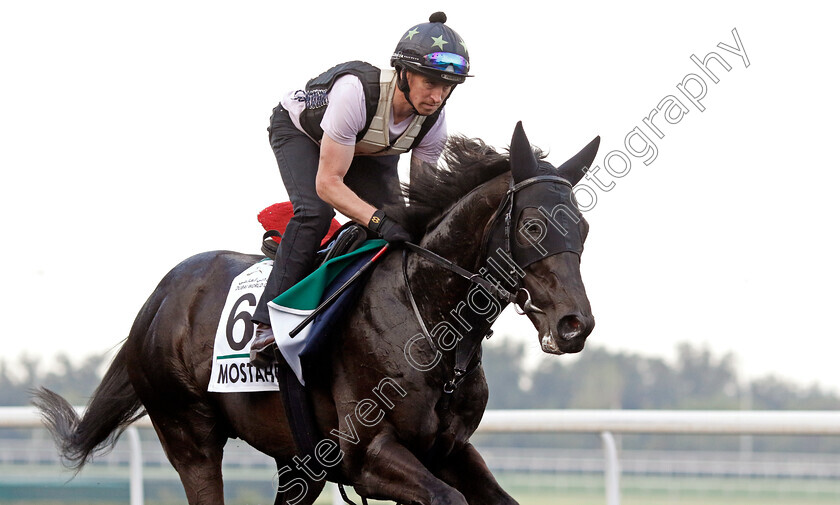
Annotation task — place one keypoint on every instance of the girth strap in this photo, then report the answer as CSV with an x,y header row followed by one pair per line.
x,y
300,412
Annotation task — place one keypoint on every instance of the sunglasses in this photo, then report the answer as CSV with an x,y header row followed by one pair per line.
x,y
449,62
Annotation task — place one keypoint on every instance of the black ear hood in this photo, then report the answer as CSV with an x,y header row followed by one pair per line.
x,y
575,167
544,219
524,164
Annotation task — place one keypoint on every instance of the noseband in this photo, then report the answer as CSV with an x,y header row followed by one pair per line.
x,y
518,295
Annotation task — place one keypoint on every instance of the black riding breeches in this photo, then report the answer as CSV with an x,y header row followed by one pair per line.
x,y
373,178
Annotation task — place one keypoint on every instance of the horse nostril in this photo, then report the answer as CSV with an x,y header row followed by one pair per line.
x,y
570,327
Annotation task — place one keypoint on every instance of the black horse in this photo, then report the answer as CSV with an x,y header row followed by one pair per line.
x,y
403,390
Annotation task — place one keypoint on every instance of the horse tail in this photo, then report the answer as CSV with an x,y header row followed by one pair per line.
x,y
113,407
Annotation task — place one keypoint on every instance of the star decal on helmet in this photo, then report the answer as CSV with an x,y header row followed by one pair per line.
x,y
411,33
460,41
439,42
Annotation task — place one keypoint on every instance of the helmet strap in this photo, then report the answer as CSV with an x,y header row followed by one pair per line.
x,y
402,85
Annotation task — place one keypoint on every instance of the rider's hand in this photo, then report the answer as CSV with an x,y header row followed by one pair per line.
x,y
388,229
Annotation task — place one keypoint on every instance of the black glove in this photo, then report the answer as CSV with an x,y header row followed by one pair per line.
x,y
387,228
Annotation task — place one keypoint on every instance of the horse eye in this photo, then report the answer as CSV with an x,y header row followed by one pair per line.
x,y
533,228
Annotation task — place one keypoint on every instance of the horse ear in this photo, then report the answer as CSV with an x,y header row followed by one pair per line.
x,y
523,163
578,164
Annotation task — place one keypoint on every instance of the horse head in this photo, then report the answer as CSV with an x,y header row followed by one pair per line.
x,y
544,235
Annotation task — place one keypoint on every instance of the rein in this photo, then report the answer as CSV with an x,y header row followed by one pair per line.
x,y
520,296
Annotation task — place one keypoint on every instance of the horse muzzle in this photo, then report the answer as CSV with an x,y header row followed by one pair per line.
x,y
569,336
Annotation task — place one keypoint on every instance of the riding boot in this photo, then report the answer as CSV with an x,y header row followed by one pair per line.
x,y
263,346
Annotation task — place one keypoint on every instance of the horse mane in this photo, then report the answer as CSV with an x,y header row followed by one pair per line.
x,y
466,163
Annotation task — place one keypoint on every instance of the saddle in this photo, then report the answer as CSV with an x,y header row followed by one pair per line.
x,y
345,240
340,239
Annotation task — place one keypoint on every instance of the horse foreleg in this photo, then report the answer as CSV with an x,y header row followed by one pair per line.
x,y
467,472
390,471
300,494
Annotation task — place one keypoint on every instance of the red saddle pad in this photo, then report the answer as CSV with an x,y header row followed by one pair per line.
x,y
277,216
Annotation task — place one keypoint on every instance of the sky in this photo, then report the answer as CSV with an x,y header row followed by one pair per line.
x,y
133,135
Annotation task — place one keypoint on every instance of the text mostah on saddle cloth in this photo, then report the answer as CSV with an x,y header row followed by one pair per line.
x,y
232,370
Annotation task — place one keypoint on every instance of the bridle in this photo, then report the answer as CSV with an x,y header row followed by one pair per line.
x,y
517,294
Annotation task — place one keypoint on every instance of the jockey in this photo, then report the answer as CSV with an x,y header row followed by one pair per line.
x,y
337,145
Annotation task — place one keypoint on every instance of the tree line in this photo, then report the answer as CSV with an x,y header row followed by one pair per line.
x,y
595,379
603,379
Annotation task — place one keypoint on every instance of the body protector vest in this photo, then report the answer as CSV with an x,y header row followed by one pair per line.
x,y
378,86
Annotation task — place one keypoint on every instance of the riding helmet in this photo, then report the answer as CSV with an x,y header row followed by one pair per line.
x,y
435,50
